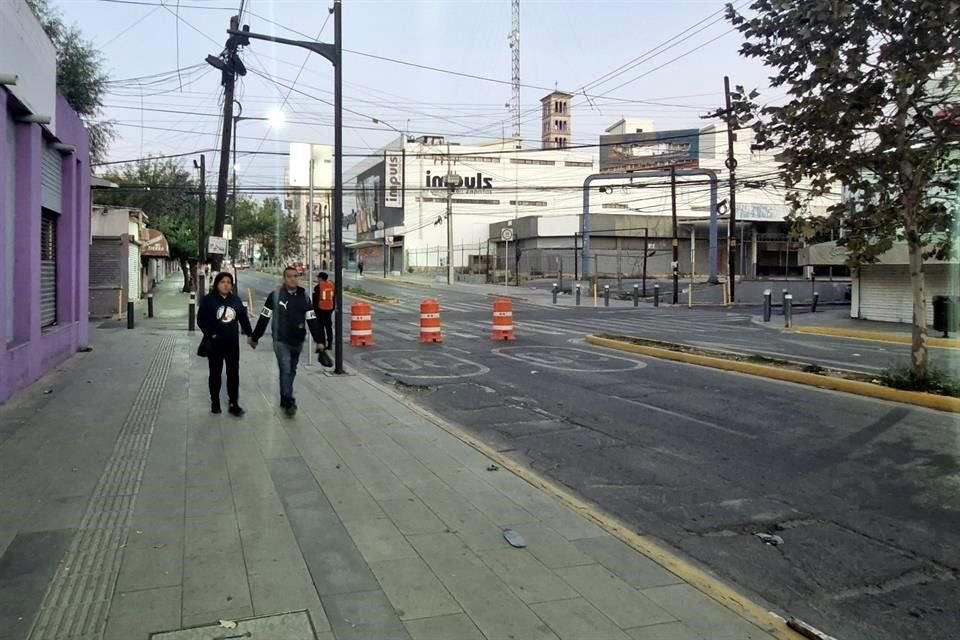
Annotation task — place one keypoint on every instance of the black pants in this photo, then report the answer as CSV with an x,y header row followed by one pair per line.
x,y
228,354
326,326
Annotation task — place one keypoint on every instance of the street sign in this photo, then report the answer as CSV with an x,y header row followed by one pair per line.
x,y
506,234
217,245
228,231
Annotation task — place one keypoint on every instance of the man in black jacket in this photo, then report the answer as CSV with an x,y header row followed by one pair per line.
x,y
292,313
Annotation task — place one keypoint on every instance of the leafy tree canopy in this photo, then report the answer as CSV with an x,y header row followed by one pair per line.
x,y
81,77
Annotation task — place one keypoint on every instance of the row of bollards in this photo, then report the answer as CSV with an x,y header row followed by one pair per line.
x,y
786,306
606,295
131,310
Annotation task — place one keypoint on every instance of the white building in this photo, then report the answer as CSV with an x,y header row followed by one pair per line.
x,y
395,201
297,198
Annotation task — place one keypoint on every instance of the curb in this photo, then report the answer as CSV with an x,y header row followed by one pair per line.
x,y
360,296
500,295
876,336
425,285
928,400
713,587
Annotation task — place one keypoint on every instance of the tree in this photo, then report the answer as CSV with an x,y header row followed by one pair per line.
x,y
81,78
871,105
167,193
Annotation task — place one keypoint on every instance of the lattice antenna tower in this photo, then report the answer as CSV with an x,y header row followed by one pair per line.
x,y
515,76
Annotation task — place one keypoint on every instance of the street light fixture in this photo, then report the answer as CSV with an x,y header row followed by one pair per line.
x,y
334,54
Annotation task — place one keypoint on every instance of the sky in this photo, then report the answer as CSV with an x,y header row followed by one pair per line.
x,y
565,44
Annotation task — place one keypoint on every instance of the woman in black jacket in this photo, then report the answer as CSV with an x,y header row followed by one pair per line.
x,y
221,318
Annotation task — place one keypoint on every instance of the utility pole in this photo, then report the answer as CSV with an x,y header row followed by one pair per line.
x,y
676,239
452,180
230,67
233,214
201,225
731,164
310,252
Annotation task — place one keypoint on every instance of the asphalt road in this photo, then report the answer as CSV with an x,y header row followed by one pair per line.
x,y
863,492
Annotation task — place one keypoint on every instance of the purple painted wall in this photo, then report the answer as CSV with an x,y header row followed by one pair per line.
x,y
33,352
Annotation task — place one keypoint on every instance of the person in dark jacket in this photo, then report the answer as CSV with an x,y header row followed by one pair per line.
x,y
221,318
291,312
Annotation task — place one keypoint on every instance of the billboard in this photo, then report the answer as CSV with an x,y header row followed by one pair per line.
x,y
393,174
372,193
650,150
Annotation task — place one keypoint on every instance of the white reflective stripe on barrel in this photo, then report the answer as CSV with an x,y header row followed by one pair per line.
x,y
429,316
429,329
361,318
503,314
361,332
503,327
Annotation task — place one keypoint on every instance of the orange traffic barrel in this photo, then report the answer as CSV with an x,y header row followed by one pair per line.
x,y
361,325
502,319
430,321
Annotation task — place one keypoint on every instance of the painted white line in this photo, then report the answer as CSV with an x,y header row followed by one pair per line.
x,y
567,359
682,416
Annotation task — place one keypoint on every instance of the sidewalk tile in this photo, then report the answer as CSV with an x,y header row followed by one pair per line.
x,y
577,620
212,617
413,589
530,580
287,588
214,583
379,540
335,563
490,603
135,615
209,502
153,558
703,614
207,535
364,615
668,631
350,499
636,570
411,516
455,627
615,598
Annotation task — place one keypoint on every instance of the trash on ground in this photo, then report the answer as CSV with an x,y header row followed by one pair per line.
x,y
770,539
492,467
514,538
228,624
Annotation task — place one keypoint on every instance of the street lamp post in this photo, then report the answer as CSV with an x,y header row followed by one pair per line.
x,y
334,54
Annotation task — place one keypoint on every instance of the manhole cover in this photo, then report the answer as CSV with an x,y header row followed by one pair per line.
x,y
284,626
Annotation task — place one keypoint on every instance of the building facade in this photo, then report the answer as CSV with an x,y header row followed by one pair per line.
x,y
556,120
44,208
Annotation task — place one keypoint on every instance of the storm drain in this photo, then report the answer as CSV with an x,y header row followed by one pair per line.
x,y
78,599
285,626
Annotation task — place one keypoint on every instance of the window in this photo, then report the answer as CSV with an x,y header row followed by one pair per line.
x,y
459,200
528,203
48,268
470,159
573,163
549,163
613,205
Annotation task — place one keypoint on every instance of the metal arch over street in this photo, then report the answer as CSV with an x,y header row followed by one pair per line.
x,y
585,220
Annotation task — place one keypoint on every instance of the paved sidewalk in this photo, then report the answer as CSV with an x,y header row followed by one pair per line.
x,y
126,508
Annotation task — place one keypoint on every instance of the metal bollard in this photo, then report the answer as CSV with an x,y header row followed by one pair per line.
x,y
816,299
656,295
606,295
149,305
767,304
578,295
783,301
129,314
788,311
555,289
192,313
636,295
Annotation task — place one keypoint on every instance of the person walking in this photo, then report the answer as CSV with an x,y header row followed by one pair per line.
x,y
291,312
221,318
360,267
324,304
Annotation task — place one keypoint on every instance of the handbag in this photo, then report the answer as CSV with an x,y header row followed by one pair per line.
x,y
205,347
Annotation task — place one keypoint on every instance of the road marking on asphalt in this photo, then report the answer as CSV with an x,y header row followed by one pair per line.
x,y
409,362
683,416
568,358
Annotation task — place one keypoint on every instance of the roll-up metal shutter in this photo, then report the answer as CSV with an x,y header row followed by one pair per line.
x,y
48,269
886,291
51,196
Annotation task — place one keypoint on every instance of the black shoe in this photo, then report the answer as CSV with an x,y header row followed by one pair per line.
x,y
236,410
215,407
291,410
